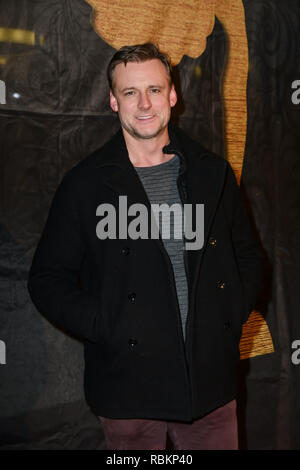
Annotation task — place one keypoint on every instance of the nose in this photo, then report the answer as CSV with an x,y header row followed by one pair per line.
x,y
144,101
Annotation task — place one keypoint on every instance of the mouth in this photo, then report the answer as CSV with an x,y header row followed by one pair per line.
x,y
147,117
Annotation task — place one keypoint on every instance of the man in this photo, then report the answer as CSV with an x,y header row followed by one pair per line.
x,y
161,322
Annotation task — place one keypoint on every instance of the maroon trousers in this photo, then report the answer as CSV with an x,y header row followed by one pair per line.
x,y
215,431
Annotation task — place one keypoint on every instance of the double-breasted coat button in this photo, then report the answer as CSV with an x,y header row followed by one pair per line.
x,y
125,250
132,296
212,241
132,342
221,284
227,325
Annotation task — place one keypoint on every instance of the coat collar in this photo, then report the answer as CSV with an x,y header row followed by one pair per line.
x,y
114,152
204,171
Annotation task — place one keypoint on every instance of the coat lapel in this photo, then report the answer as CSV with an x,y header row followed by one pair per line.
x,y
117,171
119,174
204,182
205,177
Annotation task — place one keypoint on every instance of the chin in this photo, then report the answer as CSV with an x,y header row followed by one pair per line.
x,y
150,133
144,133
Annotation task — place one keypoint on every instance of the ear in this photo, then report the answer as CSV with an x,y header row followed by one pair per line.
x,y
173,96
113,102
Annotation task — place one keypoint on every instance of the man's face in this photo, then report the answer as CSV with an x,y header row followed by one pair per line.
x,y
143,98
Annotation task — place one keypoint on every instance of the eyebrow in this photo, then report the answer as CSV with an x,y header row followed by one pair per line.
x,y
134,88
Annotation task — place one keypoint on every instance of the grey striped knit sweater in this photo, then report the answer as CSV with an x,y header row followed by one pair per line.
x,y
159,182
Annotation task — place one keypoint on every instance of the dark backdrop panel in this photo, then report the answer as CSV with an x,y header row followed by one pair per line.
x,y
61,115
271,181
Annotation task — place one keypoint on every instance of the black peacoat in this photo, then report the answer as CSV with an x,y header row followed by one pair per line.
x,y
119,295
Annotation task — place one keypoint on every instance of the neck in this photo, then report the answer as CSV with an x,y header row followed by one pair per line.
x,y
147,152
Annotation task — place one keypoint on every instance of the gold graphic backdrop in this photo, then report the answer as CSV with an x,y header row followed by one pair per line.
x,y
125,22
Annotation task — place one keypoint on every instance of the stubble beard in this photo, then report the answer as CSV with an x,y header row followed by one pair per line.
x,y
137,135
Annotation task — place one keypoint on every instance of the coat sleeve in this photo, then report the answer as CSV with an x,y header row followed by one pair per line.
x,y
247,251
53,282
